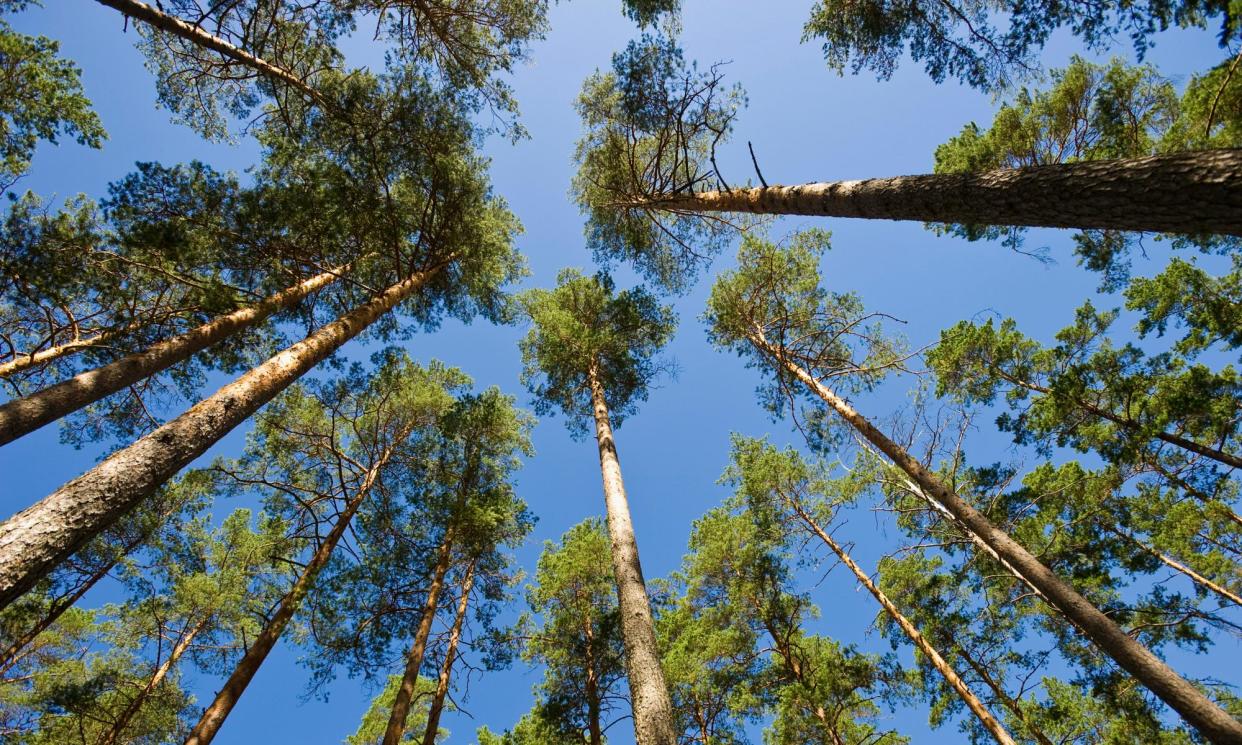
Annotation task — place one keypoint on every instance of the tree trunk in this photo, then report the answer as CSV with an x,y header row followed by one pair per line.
x,y
36,539
450,655
653,709
414,659
195,35
214,715
1196,708
1215,454
1177,566
594,728
1003,696
1197,192
113,735
24,415
24,361
972,701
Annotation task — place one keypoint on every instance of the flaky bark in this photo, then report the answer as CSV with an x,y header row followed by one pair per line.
x,y
1197,192
177,27
972,701
414,658
36,539
653,709
113,735
1196,708
450,656
24,415
214,715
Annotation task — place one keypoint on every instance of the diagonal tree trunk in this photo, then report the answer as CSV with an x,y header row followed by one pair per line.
x,y
1185,443
24,415
1196,708
177,27
37,538
1196,192
1177,566
450,656
653,709
113,735
24,361
414,659
972,701
214,715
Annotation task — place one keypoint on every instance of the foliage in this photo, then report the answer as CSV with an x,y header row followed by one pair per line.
x,y
371,730
651,127
583,330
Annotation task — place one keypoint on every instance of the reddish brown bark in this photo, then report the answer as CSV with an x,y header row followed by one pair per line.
x,y
36,539
450,656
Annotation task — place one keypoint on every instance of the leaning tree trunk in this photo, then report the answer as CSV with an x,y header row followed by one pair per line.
x,y
214,715
1216,454
36,539
25,360
972,701
450,656
24,415
195,35
1178,566
1196,192
414,659
113,735
653,709
1196,708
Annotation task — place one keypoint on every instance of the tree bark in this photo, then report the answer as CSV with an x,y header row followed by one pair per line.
x,y
1003,696
1215,454
25,361
24,415
414,659
972,701
594,728
1177,566
450,656
113,735
1195,707
1196,192
36,539
214,715
653,709
194,34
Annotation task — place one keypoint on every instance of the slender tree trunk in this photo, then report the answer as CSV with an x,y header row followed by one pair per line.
x,y
450,656
113,735
594,729
214,715
972,701
1181,483
25,361
24,415
1215,454
194,34
653,709
1195,192
1003,696
1195,707
1177,566
414,659
36,539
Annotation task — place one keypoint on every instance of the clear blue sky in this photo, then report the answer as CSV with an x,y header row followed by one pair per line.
x,y
807,124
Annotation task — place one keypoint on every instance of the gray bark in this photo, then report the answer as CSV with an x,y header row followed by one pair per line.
x,y
1196,192
653,709
24,415
1197,709
36,539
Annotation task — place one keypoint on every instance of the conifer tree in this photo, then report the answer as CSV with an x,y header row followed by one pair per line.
x,y
592,350
774,311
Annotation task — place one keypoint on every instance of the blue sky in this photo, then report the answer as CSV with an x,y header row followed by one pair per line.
x,y
806,123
